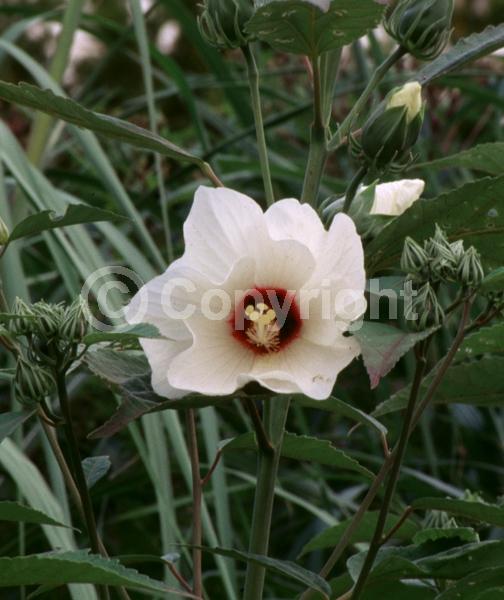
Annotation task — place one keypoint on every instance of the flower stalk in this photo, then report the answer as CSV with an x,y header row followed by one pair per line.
x,y
411,419
253,75
197,535
345,128
353,187
275,416
317,155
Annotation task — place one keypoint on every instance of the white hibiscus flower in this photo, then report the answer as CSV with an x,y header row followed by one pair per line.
x,y
394,198
262,297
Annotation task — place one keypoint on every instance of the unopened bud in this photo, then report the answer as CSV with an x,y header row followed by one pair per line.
x,y
414,259
392,130
24,322
49,318
442,255
422,27
222,22
32,383
426,305
470,270
75,321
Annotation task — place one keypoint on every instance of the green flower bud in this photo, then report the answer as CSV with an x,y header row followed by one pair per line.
x,y
32,383
458,250
414,259
470,270
75,321
394,127
4,233
426,306
422,27
222,22
49,318
24,322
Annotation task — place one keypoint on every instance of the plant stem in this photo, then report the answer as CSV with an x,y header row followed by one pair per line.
x,y
353,187
378,75
275,411
70,483
318,153
76,464
197,535
376,541
253,75
411,419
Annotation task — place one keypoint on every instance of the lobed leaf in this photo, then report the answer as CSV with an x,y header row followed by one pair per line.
x,y
301,27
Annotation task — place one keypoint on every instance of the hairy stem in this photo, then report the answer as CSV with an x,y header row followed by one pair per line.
x,y
376,541
317,155
253,75
78,471
275,417
345,128
411,419
197,535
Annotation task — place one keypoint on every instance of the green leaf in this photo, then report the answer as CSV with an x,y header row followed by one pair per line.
x,y
13,511
10,421
477,586
466,534
123,335
486,340
397,590
60,568
496,593
382,347
32,96
364,532
472,213
474,511
302,448
300,27
75,214
338,407
95,467
488,158
412,562
479,383
282,567
465,50
493,282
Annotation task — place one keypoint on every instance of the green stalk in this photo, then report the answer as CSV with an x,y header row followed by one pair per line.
x,y
345,128
353,187
376,541
143,46
42,123
197,494
411,419
76,465
253,75
275,416
317,155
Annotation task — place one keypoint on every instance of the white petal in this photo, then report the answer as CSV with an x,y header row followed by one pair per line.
x,y
222,227
160,354
339,274
290,220
283,264
164,300
305,367
394,198
216,364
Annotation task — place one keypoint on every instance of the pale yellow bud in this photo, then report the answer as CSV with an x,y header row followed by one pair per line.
x,y
409,96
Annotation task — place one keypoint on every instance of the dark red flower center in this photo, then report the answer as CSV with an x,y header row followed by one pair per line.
x,y
266,320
